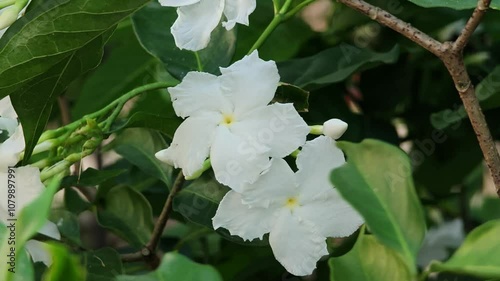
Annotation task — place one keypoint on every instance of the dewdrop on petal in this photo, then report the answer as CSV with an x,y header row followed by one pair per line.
x,y
334,128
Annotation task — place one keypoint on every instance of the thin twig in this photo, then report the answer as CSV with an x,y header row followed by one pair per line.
x,y
471,25
148,253
450,53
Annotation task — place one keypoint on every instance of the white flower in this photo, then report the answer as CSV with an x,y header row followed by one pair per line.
x,y
299,210
334,128
26,180
198,18
439,240
229,119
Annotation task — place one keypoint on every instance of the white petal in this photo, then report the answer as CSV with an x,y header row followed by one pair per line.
x,y
233,162
11,148
8,124
198,92
278,127
237,11
332,215
177,3
50,229
297,245
195,22
250,83
315,162
28,185
239,219
38,252
6,108
275,186
191,143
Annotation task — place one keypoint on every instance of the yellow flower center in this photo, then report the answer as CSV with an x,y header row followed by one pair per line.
x,y
291,202
227,119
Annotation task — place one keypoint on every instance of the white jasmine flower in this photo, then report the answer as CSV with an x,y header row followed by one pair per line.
x,y
198,18
299,210
228,118
334,128
26,180
440,240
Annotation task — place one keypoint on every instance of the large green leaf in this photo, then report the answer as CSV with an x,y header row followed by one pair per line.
x,y
125,66
454,4
139,146
152,24
369,260
54,43
332,65
478,255
127,213
175,266
377,181
488,94
102,265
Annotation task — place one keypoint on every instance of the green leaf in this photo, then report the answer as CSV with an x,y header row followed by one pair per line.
x,y
127,213
91,177
139,146
175,266
488,94
102,265
369,260
158,40
65,266
34,100
377,181
166,125
68,225
54,44
287,93
332,65
478,256
74,202
125,66
453,4
15,266
199,200
487,209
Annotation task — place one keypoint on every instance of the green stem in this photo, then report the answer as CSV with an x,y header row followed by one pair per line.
x,y
316,130
297,8
278,18
198,61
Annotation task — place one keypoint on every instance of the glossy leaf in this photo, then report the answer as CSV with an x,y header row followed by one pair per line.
x,y
478,256
332,65
369,260
65,266
165,125
102,265
91,177
127,213
56,42
377,181
287,93
139,146
68,225
175,266
454,4
158,40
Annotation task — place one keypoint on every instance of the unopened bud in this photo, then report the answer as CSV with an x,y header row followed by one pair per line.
x,y
9,16
334,128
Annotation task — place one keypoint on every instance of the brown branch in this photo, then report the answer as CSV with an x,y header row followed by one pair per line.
x,y
451,54
148,253
389,20
471,25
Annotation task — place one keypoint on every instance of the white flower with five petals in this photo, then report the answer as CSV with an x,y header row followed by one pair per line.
x,y
299,210
198,18
27,185
229,119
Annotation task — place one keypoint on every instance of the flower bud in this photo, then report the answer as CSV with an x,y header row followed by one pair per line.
x,y
334,128
8,16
